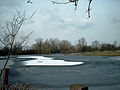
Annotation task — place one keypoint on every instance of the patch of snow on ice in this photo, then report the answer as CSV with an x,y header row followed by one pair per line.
x,y
45,61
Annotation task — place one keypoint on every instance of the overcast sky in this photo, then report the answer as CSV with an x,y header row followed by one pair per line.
x,y
63,22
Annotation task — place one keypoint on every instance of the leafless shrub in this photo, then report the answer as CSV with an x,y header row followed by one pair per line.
x,y
17,87
28,86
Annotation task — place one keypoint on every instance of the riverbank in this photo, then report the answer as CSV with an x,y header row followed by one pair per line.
x,y
99,53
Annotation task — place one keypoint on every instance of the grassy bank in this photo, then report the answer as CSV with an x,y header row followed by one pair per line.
x,y
99,53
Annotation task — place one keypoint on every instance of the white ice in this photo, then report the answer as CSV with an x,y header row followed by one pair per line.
x,y
45,61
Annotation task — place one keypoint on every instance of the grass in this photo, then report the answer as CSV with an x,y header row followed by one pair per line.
x,y
100,53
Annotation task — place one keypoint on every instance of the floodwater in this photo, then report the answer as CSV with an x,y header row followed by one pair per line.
x,y
96,72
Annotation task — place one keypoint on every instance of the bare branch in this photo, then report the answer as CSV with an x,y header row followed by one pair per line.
x,y
7,26
75,3
88,10
23,39
3,42
70,1
33,14
29,1
60,3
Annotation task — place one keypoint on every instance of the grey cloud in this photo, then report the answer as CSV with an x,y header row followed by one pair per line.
x,y
56,22
83,27
73,24
10,3
115,20
53,17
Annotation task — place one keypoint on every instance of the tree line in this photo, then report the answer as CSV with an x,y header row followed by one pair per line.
x,y
50,46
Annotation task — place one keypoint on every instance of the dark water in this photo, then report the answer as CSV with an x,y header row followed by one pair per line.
x,y
97,72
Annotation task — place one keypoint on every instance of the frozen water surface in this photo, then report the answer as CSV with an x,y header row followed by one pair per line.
x,y
59,71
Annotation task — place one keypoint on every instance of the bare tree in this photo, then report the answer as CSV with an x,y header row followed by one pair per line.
x,y
54,45
80,44
95,44
47,47
115,43
38,46
10,35
65,46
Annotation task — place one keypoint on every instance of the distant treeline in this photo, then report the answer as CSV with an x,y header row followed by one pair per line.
x,y
51,46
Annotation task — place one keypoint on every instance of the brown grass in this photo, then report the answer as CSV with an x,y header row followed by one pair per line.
x,y
104,53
